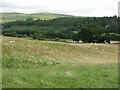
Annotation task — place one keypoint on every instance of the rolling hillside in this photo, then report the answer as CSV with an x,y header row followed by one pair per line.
x,y
7,17
47,64
28,63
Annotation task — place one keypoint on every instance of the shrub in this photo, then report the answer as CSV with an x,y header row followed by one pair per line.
x,y
57,39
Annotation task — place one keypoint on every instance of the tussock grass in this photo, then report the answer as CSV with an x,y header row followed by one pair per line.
x,y
33,63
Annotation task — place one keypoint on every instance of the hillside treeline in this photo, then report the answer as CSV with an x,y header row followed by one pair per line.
x,y
87,29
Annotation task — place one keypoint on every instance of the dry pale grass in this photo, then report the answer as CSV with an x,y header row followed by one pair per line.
x,y
61,52
33,63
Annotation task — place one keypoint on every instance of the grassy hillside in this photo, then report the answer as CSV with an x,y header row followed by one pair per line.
x,y
43,64
0,62
8,17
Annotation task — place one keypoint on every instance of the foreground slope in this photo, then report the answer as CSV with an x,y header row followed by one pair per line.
x,y
42,64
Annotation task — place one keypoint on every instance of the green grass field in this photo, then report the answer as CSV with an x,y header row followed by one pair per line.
x,y
8,17
47,64
0,62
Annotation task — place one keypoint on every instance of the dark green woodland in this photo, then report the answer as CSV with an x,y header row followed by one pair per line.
x,y
86,29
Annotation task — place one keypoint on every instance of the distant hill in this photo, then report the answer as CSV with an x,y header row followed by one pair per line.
x,y
7,17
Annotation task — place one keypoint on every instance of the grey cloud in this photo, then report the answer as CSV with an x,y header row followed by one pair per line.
x,y
7,5
88,10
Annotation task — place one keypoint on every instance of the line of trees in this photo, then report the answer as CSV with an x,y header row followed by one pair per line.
x,y
87,29
92,35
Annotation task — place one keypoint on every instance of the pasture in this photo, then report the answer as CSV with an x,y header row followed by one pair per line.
x,y
9,17
46,64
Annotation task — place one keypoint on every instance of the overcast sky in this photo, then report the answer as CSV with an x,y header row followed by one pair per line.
x,y
71,7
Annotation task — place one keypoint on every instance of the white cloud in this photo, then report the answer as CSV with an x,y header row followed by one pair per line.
x,y
73,7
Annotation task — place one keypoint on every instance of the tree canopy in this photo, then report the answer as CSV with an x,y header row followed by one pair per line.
x,y
89,29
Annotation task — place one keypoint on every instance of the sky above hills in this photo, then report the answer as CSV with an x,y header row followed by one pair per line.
x,y
71,7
